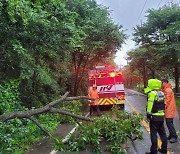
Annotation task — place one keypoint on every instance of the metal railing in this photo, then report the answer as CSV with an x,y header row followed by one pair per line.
x,y
177,94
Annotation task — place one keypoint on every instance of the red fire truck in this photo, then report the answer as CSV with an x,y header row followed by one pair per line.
x,y
110,85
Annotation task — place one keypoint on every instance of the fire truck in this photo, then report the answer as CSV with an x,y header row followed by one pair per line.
x,y
110,85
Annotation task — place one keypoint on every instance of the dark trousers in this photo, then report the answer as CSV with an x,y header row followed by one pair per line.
x,y
157,127
170,126
97,109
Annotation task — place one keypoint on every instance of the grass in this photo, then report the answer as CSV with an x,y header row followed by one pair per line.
x,y
178,102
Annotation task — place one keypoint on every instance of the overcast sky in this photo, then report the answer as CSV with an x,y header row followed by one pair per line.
x,y
130,13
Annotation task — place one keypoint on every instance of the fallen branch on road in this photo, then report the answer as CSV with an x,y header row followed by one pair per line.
x,y
54,110
46,109
39,125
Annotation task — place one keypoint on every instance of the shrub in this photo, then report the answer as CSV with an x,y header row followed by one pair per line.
x,y
116,131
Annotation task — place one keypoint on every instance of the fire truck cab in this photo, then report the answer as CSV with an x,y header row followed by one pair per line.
x,y
110,85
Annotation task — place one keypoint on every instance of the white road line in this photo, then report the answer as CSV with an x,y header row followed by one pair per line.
x,y
53,152
68,135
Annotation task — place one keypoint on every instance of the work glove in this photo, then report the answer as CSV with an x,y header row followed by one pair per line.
x,y
149,116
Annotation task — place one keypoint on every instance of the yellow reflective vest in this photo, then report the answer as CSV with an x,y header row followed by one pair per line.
x,y
156,103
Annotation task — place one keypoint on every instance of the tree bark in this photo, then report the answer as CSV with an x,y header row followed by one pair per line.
x,y
63,112
48,108
39,125
45,109
83,70
176,76
152,72
77,70
144,76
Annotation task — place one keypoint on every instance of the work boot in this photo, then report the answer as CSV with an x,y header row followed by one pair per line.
x,y
173,140
162,151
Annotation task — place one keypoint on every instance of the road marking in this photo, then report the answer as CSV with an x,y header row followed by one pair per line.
x,y
68,135
145,124
53,152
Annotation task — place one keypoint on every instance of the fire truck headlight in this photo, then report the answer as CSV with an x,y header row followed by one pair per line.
x,y
113,74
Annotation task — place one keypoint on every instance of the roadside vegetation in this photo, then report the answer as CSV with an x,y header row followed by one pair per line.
x,y
115,128
47,48
158,53
178,102
17,135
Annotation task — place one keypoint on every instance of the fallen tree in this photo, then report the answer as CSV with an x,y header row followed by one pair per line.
x,y
49,108
111,131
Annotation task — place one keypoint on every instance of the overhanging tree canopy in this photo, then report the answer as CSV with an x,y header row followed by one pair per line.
x,y
161,32
46,44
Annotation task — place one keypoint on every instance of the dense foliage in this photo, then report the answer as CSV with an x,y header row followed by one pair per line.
x,y
159,41
17,135
115,128
46,49
49,45
178,101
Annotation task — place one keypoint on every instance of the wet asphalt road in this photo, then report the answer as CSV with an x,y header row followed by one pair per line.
x,y
135,99
138,101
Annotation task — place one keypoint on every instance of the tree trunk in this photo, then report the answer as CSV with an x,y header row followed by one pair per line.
x,y
152,72
75,82
176,76
34,82
144,77
83,71
75,73
77,70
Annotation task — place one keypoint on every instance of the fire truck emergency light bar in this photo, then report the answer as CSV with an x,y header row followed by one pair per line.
x,y
104,71
101,75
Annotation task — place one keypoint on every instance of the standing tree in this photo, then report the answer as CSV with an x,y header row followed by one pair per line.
x,y
96,38
46,44
161,32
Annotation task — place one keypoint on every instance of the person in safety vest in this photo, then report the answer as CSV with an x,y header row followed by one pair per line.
x,y
93,93
170,110
155,115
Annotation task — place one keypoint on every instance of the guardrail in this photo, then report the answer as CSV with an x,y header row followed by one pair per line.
x,y
177,94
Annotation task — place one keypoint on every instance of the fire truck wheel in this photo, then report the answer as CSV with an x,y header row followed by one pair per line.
x,y
121,107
